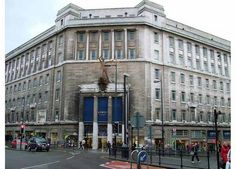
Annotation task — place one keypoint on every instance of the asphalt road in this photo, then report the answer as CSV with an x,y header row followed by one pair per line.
x,y
54,159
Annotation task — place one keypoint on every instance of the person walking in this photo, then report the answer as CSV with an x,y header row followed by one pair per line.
x,y
224,151
194,152
109,147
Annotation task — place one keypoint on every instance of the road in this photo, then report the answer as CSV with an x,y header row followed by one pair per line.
x,y
54,159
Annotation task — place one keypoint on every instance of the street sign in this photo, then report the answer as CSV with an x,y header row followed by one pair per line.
x,y
137,120
134,155
142,156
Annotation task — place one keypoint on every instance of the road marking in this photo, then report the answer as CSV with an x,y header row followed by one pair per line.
x,y
70,157
40,165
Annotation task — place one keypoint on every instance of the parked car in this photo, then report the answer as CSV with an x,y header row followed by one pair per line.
x,y
38,144
24,143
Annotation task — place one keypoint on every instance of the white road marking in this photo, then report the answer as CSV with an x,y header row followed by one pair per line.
x,y
40,165
70,157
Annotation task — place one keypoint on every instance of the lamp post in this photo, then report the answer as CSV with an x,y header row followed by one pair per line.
x,y
216,131
125,118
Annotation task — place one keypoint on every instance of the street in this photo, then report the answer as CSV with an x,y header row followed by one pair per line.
x,y
54,159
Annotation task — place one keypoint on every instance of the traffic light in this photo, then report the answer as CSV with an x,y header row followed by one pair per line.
x,y
22,128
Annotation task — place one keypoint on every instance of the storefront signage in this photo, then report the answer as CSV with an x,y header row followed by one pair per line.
x,y
226,134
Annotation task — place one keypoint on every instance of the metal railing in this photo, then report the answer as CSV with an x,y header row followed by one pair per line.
x,y
179,159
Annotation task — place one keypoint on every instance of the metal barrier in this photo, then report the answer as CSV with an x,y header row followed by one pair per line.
x,y
170,159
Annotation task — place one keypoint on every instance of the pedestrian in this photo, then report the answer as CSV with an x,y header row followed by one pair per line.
x,y
194,152
80,145
228,163
224,151
109,147
83,144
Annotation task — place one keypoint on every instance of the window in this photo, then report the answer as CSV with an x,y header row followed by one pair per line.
x,y
213,70
204,52
208,116
156,54
172,58
81,37
171,42
172,74
218,57
197,50
47,79
207,83
58,77
199,79
220,70
29,84
131,35
60,41
118,36
157,111
93,54
155,18
190,62
35,82
106,54
157,74
182,78
46,96
192,97
57,94
191,81
200,116
180,43
226,71
56,115
229,102
106,36
119,54
19,87
93,36
40,80
212,55
40,98
181,60
221,86
200,98
198,65
225,59
61,22
173,114
60,58
222,101
183,99
173,95
158,93
132,54
214,84
207,99
183,115
156,37
80,55
215,100
228,87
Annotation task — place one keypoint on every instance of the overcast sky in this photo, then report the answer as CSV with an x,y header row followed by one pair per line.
x,y
24,19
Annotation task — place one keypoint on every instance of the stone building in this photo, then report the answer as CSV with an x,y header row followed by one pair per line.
x,y
54,82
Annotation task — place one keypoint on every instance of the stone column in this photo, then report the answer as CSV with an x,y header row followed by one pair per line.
x,y
109,125
222,63
100,43
216,62
87,45
126,50
209,61
95,124
229,65
112,44
201,58
194,57
81,131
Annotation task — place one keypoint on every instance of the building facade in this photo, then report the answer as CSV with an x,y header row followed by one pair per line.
x,y
176,73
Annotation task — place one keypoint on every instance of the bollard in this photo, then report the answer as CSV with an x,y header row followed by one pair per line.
x,y
208,160
159,156
181,159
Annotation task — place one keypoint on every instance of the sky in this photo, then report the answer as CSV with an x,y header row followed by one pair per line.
x,y
24,19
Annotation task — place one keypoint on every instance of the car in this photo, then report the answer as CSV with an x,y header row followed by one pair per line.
x,y
24,143
38,144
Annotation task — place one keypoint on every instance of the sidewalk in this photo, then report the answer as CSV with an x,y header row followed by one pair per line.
x,y
126,165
